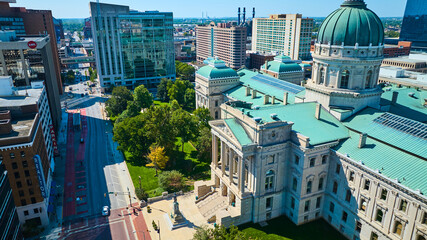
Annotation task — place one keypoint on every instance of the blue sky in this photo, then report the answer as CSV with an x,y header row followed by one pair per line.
x,y
216,8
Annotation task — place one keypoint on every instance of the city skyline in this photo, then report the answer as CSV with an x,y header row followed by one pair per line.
x,y
194,9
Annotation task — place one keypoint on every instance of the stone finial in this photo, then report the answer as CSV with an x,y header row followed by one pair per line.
x,y
285,98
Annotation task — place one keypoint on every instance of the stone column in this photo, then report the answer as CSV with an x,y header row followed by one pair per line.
x,y
24,67
230,165
242,174
215,151
223,158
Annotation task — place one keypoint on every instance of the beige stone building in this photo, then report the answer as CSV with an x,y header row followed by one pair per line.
x,y
341,149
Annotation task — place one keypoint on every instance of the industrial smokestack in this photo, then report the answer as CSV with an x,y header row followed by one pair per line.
x,y
253,13
244,15
238,17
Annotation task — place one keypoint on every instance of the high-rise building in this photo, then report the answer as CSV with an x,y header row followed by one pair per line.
x,y
132,47
27,146
32,22
30,59
87,29
414,25
10,228
288,34
228,43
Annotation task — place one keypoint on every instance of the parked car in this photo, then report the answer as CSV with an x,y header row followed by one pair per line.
x,y
105,211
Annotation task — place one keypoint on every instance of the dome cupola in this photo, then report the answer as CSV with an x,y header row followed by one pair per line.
x,y
353,23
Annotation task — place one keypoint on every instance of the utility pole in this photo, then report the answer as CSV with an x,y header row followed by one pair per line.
x,y
130,199
139,182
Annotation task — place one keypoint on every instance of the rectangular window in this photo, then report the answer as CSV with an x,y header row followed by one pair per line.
x,y
344,216
29,182
33,200
318,200
335,188
424,219
36,210
320,187
331,207
384,194
374,236
23,202
292,203
27,173
21,193
294,184
31,191
24,164
309,185
338,169
296,160
26,213
324,159
14,165
403,205
348,196
18,184
269,203
358,226
367,183
16,175
307,206
312,162
363,205
351,177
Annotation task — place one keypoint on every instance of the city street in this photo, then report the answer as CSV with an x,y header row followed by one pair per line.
x,y
95,174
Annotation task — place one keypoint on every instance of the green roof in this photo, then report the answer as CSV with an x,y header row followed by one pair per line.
x,y
406,106
239,93
281,67
392,162
246,78
364,122
352,23
217,69
238,131
327,129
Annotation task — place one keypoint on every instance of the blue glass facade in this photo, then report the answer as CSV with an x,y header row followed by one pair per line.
x,y
414,26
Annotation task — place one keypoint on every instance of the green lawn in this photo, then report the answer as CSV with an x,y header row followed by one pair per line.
x,y
188,163
149,181
283,229
156,102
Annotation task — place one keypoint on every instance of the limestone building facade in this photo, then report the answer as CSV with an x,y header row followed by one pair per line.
x,y
342,148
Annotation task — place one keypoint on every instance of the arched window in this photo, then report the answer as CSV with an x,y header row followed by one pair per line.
x,y
269,180
368,80
322,76
379,217
345,77
309,184
216,115
397,228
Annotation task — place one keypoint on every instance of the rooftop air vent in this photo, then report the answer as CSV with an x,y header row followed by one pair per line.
x,y
256,107
411,94
273,116
257,119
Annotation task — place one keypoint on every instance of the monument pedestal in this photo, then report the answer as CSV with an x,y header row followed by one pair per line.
x,y
175,219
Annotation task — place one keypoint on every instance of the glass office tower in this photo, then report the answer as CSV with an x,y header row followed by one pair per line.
x,y
131,47
414,26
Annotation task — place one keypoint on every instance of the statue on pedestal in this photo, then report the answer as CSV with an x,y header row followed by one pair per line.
x,y
176,214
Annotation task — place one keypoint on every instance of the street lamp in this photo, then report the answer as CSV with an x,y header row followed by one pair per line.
x,y
139,182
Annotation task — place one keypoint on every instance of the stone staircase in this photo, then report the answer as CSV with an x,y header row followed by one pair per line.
x,y
210,205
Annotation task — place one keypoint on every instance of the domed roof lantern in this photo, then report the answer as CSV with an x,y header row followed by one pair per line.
x,y
354,3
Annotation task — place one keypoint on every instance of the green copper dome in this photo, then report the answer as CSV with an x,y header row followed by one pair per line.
x,y
216,69
352,23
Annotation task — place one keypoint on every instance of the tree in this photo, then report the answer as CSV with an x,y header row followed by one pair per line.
x,y
204,143
132,136
190,99
185,125
118,101
141,194
70,77
143,97
203,116
177,91
220,233
162,90
172,181
160,126
131,111
157,157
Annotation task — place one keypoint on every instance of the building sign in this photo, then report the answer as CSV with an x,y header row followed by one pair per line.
x,y
32,44
40,175
54,142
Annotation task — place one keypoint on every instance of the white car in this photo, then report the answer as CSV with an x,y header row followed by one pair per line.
x,y
105,211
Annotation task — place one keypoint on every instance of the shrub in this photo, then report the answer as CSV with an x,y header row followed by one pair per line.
x,y
141,194
172,181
